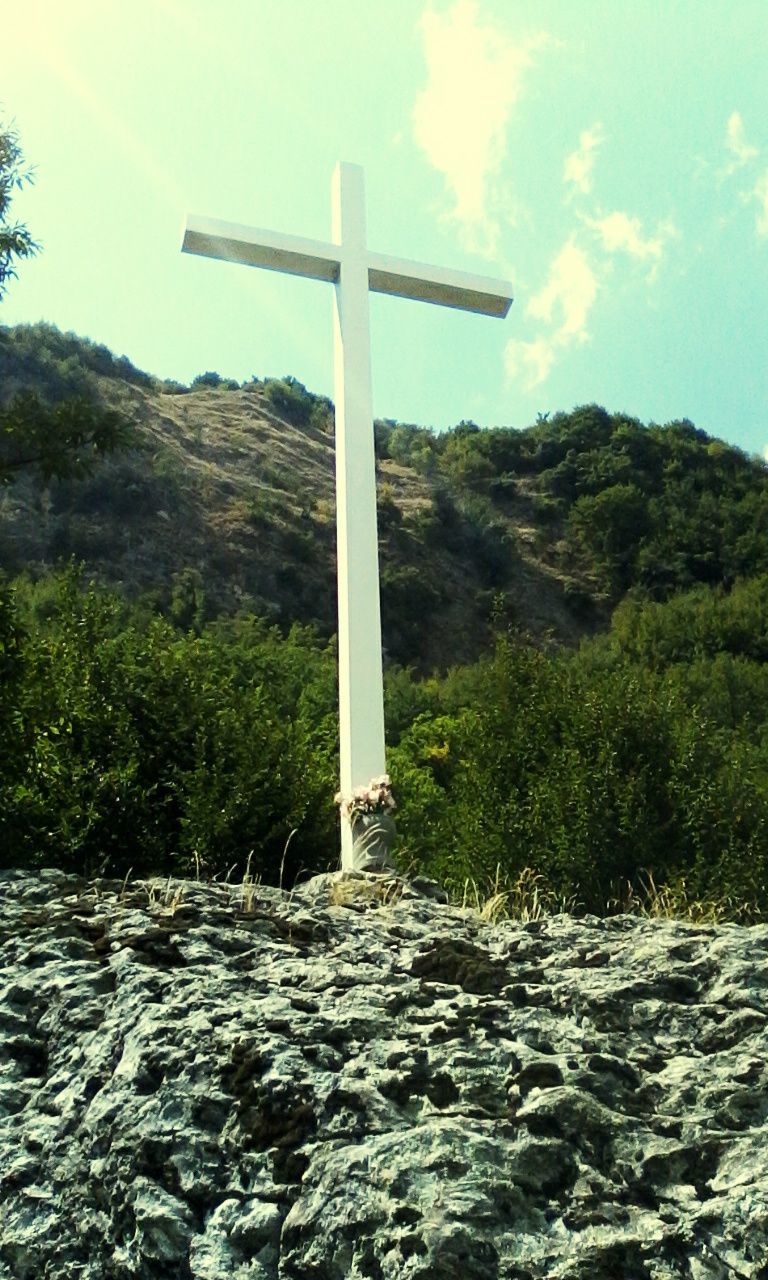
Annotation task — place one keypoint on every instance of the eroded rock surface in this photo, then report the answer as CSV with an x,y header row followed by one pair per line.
x,y
340,1084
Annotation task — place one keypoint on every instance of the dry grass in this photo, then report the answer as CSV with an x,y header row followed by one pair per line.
x,y
173,894
351,892
524,898
527,898
169,898
675,902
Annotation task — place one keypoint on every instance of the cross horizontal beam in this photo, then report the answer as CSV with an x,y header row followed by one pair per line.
x,y
318,260
441,285
256,248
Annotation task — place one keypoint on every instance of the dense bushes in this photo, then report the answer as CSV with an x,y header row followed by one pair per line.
x,y
290,399
64,441
59,364
136,745
657,507
590,777
130,743
212,379
134,741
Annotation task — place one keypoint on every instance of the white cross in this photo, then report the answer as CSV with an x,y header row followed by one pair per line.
x,y
349,264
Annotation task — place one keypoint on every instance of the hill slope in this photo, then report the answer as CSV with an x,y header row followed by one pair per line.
x,y
226,502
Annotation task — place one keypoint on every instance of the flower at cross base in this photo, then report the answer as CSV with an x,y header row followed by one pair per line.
x,y
375,798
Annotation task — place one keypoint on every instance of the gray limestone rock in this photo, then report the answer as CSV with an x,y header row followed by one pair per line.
x,y
359,1080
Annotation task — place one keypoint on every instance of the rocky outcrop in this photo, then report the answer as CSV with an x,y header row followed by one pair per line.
x,y
355,1080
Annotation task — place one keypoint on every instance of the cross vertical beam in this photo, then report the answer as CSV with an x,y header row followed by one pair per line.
x,y
361,685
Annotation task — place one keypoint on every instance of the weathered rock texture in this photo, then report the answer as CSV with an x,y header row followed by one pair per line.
x,y
300,1088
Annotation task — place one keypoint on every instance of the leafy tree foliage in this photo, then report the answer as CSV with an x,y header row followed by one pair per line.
x,y
589,777
131,740
659,507
15,240
60,364
60,441
213,379
608,525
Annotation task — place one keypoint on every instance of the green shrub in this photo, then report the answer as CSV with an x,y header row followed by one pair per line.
x,y
138,746
290,399
589,778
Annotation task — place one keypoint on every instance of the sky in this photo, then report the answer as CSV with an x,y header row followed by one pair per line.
x,y
609,159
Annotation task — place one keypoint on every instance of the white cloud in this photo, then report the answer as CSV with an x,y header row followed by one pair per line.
x,y
742,153
475,76
570,291
741,150
580,163
564,305
761,195
529,362
620,233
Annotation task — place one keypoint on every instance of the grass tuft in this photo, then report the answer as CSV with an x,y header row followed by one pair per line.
x,y
674,902
525,898
528,898
352,892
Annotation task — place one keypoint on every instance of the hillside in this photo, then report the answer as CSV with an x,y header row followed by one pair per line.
x,y
226,502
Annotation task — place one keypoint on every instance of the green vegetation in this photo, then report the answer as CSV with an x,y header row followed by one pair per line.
x,y
130,743
592,775
133,745
212,379
53,420
169,733
15,240
60,364
61,439
290,399
164,736
655,508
